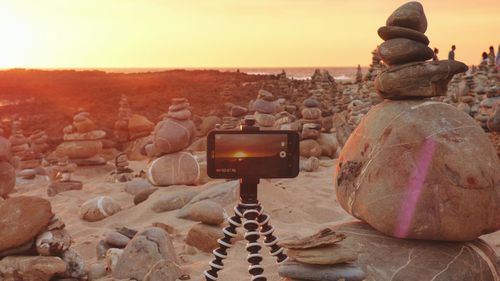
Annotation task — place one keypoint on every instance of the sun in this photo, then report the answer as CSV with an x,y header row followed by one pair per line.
x,y
240,154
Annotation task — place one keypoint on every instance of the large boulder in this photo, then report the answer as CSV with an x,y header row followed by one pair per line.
x,y
405,260
421,170
171,136
142,253
30,268
173,169
80,149
22,219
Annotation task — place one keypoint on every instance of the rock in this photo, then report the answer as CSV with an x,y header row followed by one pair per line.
x,y
208,123
419,79
311,113
404,259
311,131
222,193
139,125
99,208
101,248
92,135
238,111
53,243
493,122
410,15
20,223
117,240
144,195
393,32
137,185
310,165
264,119
27,174
173,201
91,161
298,271
130,233
264,106
204,237
26,249
402,50
328,144
75,265
310,148
443,172
7,178
323,238
183,114
112,257
310,102
163,271
80,149
206,211
96,271
265,95
143,252
30,268
5,149
198,145
61,186
324,255
173,169
171,136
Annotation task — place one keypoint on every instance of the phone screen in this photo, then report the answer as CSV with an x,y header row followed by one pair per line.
x,y
258,155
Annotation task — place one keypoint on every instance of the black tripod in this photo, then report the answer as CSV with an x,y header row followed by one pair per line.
x,y
256,223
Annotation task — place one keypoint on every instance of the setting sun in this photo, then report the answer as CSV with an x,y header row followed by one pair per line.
x,y
240,154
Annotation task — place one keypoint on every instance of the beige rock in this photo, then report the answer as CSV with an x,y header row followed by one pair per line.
x,y
174,200
421,170
99,208
112,257
30,268
204,237
163,271
173,169
310,148
324,255
206,211
80,149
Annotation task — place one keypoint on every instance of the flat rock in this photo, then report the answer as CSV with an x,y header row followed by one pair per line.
x,y
92,135
323,255
404,259
173,169
27,174
117,240
136,186
80,149
206,211
402,50
325,237
21,219
264,106
418,79
174,200
299,271
30,268
204,237
443,172
393,32
143,252
410,15
55,188
310,102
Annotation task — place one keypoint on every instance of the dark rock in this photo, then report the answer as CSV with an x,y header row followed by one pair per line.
x,y
409,15
418,79
393,32
402,50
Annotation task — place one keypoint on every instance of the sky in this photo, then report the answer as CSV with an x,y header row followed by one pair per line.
x,y
226,33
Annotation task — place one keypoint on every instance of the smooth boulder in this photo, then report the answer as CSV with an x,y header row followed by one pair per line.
x,y
393,32
99,208
420,170
410,15
402,50
171,136
173,169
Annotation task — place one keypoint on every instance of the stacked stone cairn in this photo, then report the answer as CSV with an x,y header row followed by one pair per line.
x,y
60,176
230,123
419,169
7,170
39,141
375,67
82,141
122,172
265,106
36,245
359,75
121,126
169,165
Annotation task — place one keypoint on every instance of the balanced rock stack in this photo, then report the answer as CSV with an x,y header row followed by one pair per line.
x,y
19,143
359,75
82,141
320,257
60,177
121,126
7,171
39,141
122,172
265,107
415,168
171,135
35,245
375,67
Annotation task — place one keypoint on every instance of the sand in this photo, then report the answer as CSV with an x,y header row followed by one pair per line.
x,y
297,207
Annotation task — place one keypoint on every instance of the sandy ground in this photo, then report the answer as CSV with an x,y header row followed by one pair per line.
x,y
298,207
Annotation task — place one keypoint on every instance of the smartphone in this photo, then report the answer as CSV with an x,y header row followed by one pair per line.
x,y
253,154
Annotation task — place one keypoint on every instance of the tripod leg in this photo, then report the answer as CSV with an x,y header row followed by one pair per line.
x,y
253,247
224,244
270,240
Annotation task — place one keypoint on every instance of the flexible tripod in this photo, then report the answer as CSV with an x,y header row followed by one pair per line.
x,y
250,214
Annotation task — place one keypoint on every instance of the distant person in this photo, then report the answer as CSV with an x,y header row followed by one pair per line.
x,y
491,56
451,54
435,57
484,58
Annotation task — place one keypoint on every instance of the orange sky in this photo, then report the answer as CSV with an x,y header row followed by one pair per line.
x,y
225,33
